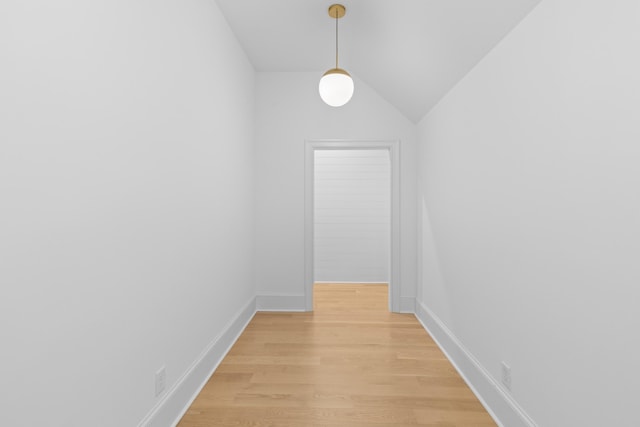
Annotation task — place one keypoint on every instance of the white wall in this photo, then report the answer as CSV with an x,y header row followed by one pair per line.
x,y
530,204
352,215
126,202
288,111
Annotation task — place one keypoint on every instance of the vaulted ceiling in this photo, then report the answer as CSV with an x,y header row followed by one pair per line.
x,y
411,51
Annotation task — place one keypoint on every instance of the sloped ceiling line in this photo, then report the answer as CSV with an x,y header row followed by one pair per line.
x,y
411,51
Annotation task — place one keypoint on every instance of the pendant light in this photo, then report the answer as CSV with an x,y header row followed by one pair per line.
x,y
336,85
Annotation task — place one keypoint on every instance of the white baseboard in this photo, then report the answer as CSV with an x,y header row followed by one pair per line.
x,y
170,409
407,304
350,283
280,302
283,302
501,406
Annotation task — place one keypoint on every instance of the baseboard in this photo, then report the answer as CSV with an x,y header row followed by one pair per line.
x,y
280,302
350,283
501,406
177,400
407,304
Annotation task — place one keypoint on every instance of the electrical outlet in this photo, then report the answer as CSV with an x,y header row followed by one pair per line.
x,y
506,375
161,381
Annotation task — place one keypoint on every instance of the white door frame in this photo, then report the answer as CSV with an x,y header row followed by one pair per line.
x,y
393,146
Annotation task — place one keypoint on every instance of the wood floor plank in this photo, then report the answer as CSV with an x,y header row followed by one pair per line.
x,y
348,363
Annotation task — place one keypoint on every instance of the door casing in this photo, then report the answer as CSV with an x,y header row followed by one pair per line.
x,y
393,146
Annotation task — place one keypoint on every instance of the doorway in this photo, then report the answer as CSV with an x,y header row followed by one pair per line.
x,y
368,251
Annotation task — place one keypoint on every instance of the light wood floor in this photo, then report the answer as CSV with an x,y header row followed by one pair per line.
x,y
349,363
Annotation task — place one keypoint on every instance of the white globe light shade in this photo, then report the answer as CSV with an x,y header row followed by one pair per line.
x,y
336,87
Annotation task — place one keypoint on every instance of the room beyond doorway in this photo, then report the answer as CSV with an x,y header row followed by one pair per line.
x,y
352,216
357,224
350,297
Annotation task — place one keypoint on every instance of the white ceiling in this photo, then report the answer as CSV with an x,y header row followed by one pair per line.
x,y
411,51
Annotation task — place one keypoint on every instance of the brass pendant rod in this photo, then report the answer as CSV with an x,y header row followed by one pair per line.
x,y
337,11
336,38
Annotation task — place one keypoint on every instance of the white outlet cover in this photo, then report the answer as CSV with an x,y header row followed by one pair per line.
x,y
506,375
160,380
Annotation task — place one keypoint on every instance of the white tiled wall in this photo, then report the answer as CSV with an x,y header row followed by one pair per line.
x,y
351,215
